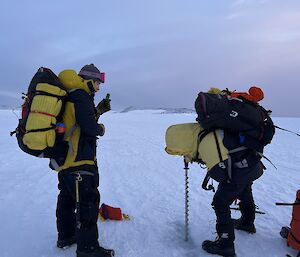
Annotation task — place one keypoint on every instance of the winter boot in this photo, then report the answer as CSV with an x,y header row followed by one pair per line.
x,y
61,243
221,246
97,252
239,224
284,232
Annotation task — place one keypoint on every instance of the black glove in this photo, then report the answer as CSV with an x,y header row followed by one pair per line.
x,y
103,106
102,129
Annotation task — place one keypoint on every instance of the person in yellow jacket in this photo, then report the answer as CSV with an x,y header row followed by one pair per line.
x,y
78,199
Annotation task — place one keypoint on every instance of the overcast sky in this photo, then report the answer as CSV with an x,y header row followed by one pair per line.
x,y
157,53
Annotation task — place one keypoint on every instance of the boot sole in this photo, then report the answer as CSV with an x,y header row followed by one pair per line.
x,y
205,248
66,246
247,231
107,252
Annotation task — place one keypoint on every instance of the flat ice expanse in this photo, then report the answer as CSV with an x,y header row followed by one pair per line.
x,y
137,175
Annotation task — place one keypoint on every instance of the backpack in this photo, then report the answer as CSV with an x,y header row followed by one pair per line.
x,y
293,239
40,131
292,234
247,129
249,122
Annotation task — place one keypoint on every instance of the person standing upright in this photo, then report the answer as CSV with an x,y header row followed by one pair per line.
x,y
79,198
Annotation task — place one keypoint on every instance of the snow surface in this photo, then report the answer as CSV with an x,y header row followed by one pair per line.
x,y
137,175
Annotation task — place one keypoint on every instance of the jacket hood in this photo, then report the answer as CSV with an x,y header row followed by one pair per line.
x,y
71,80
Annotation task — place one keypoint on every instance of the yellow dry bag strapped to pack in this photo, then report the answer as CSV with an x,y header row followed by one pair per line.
x,y
195,144
182,139
41,122
41,113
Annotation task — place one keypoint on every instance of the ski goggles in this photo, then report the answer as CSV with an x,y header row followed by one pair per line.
x,y
94,75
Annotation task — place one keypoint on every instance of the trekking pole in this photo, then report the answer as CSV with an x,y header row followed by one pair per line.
x,y
238,209
186,168
288,204
287,130
78,222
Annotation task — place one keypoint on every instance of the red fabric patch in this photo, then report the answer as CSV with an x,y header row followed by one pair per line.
x,y
109,212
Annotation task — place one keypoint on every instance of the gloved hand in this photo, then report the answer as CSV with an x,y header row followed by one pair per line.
x,y
102,129
103,106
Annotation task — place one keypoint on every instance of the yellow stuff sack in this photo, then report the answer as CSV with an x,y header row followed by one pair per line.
x,y
46,105
182,140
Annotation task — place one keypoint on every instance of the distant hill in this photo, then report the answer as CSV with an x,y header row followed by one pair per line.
x,y
163,110
178,110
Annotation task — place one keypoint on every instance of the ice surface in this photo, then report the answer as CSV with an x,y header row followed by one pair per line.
x,y
137,175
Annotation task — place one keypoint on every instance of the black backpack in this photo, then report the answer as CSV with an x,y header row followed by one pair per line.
x,y
249,122
247,127
43,75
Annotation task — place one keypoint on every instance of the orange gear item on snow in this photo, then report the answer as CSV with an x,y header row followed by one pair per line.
x,y
255,94
109,212
293,239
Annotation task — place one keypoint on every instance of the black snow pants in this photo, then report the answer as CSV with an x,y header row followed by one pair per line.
x,y
87,232
224,197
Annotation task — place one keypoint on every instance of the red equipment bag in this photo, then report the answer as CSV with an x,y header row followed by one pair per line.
x,y
112,213
293,239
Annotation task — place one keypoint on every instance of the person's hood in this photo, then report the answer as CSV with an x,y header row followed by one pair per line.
x,y
71,80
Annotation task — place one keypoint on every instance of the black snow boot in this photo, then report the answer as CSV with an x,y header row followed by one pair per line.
x,y
61,243
221,246
97,252
284,232
239,224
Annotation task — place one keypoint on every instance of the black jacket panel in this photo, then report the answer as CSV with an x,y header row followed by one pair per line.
x,y
85,119
85,112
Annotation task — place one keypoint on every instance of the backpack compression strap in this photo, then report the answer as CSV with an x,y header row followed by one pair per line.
x,y
41,130
38,92
241,164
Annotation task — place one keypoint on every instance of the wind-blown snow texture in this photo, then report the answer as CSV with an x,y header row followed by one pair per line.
x,y
137,175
